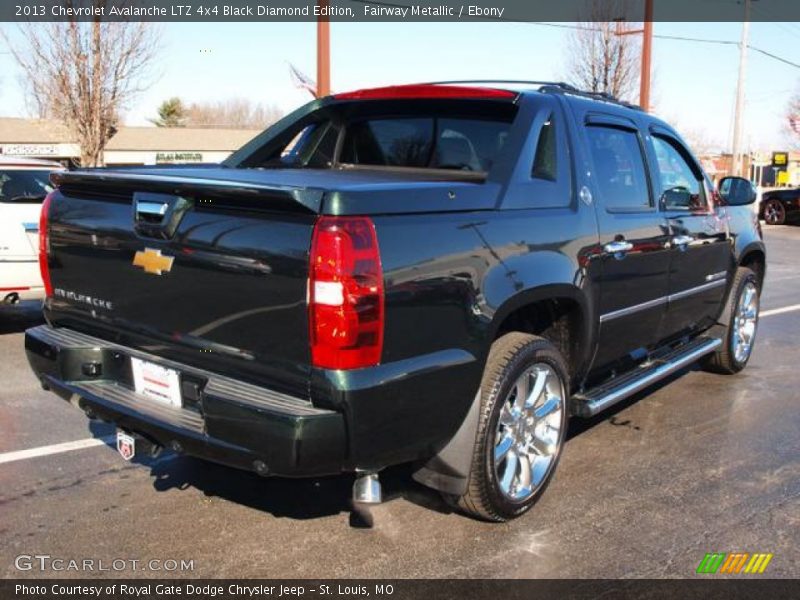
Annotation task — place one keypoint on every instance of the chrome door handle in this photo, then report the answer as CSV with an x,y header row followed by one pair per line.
x,y
618,248
681,241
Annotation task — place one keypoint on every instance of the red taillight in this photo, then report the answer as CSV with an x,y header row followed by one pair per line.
x,y
427,91
345,294
44,245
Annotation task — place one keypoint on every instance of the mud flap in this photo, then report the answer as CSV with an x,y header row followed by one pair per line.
x,y
448,471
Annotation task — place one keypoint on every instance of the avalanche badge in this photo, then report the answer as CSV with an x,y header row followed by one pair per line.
x,y
153,262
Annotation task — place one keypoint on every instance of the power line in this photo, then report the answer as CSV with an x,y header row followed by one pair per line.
x,y
781,59
679,38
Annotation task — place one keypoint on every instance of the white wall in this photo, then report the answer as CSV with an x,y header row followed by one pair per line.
x,y
148,157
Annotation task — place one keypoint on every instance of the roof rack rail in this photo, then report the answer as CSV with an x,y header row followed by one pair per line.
x,y
604,96
486,81
548,86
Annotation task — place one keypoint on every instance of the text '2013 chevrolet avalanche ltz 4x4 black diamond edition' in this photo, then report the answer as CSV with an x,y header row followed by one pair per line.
x,y
436,274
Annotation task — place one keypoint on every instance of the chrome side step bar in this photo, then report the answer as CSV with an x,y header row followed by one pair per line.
x,y
607,394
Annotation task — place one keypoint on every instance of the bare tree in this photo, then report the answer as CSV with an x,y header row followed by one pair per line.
x,y
84,74
601,60
793,120
700,141
235,113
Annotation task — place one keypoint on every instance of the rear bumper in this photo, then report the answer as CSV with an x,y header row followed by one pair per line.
x,y
222,420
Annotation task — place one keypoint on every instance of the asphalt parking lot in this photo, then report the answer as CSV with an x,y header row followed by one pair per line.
x,y
703,463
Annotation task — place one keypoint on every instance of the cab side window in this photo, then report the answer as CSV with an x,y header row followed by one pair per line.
x,y
544,163
619,168
681,187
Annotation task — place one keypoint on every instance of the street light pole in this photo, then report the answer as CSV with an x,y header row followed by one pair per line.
x,y
647,52
323,51
738,118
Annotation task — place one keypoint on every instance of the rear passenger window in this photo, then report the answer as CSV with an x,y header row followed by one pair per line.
x,y
619,168
544,163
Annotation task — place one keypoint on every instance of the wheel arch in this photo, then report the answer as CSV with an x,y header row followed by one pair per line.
x,y
755,257
552,311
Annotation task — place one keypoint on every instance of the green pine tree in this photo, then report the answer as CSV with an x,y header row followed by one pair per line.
x,y
171,113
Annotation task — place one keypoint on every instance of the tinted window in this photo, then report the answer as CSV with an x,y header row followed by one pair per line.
x,y
313,146
680,186
391,142
24,185
461,144
619,167
544,163
462,139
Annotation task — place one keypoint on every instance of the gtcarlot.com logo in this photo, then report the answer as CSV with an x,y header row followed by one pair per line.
x,y
734,563
46,562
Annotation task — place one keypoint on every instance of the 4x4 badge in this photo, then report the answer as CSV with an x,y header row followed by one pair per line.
x,y
153,262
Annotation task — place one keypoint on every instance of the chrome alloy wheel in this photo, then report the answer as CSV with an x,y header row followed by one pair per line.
x,y
529,432
745,323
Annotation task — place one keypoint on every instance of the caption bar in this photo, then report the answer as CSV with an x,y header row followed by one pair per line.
x,y
379,10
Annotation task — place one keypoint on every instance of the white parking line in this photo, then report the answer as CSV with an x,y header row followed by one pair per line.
x,y
8,457
780,311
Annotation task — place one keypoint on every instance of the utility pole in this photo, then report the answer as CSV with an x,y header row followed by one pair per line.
x,y
323,51
647,52
737,165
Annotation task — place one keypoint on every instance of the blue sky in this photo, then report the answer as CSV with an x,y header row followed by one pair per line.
x,y
693,85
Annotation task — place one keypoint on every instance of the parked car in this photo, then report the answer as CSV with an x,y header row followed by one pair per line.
x,y
780,206
24,183
436,274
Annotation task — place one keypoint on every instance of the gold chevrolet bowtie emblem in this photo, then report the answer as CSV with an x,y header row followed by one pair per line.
x,y
152,261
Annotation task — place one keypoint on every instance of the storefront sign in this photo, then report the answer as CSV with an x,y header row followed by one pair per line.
x,y
29,150
780,159
178,157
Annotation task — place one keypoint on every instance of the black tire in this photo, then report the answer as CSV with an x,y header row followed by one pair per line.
x,y
724,359
774,212
509,358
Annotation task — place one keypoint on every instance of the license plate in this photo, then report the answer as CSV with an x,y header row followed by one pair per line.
x,y
126,445
156,382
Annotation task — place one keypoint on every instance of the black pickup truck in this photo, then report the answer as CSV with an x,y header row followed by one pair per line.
x,y
437,274
779,207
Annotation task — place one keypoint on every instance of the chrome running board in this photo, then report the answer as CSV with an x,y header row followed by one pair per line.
x,y
595,400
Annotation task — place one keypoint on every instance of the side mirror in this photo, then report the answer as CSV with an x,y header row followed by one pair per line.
x,y
677,198
737,191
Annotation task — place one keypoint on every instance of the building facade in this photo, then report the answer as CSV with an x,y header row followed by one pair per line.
x,y
33,138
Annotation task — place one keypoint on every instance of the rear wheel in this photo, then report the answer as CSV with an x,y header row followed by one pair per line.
x,y
521,429
774,213
739,325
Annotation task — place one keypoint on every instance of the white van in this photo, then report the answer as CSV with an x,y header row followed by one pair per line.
x,y
24,183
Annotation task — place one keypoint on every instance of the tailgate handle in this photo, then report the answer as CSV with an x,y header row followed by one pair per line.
x,y
149,209
158,215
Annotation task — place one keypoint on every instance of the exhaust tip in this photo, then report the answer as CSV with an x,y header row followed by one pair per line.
x,y
12,298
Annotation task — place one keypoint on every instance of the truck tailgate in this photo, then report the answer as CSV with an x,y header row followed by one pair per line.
x,y
208,273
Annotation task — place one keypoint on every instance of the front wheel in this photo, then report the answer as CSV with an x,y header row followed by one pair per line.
x,y
739,325
521,429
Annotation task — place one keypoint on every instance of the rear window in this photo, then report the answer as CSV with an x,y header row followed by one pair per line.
x,y
24,185
460,144
463,136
